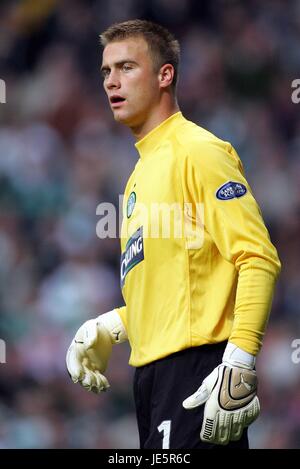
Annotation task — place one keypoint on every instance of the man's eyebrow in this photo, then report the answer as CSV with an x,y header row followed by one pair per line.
x,y
118,64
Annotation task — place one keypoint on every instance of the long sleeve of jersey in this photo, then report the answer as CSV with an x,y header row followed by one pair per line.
x,y
236,226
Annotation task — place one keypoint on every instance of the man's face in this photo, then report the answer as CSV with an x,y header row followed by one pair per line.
x,y
130,82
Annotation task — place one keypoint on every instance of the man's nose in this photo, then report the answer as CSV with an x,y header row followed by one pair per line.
x,y
113,81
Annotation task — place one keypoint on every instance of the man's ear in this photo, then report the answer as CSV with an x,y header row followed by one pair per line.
x,y
166,75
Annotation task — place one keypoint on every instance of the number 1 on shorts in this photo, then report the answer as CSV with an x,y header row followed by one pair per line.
x,y
165,427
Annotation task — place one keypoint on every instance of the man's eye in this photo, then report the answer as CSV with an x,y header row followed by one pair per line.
x,y
105,73
126,68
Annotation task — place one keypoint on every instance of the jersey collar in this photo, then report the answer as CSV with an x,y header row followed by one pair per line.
x,y
156,137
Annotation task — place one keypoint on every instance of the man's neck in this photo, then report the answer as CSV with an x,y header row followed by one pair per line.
x,y
156,118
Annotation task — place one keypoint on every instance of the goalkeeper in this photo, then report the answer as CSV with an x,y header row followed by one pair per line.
x,y
196,306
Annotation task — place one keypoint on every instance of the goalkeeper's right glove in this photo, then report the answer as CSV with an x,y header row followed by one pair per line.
x,y
229,394
90,350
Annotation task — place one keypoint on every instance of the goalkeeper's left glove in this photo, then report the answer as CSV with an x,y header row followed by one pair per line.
x,y
230,396
90,350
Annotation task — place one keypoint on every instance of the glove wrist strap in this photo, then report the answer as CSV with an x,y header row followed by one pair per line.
x,y
235,356
114,325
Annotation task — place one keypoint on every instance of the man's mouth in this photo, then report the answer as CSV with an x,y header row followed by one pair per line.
x,y
116,100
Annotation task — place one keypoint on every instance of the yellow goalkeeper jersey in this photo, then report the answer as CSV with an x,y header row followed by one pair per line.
x,y
197,263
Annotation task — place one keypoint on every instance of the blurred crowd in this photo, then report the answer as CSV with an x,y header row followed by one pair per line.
x,y
61,154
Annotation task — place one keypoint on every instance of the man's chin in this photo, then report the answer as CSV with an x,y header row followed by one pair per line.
x,y
122,118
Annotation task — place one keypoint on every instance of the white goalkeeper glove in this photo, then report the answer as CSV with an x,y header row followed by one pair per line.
x,y
230,396
89,352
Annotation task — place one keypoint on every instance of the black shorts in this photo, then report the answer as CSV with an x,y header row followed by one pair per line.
x,y
159,390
